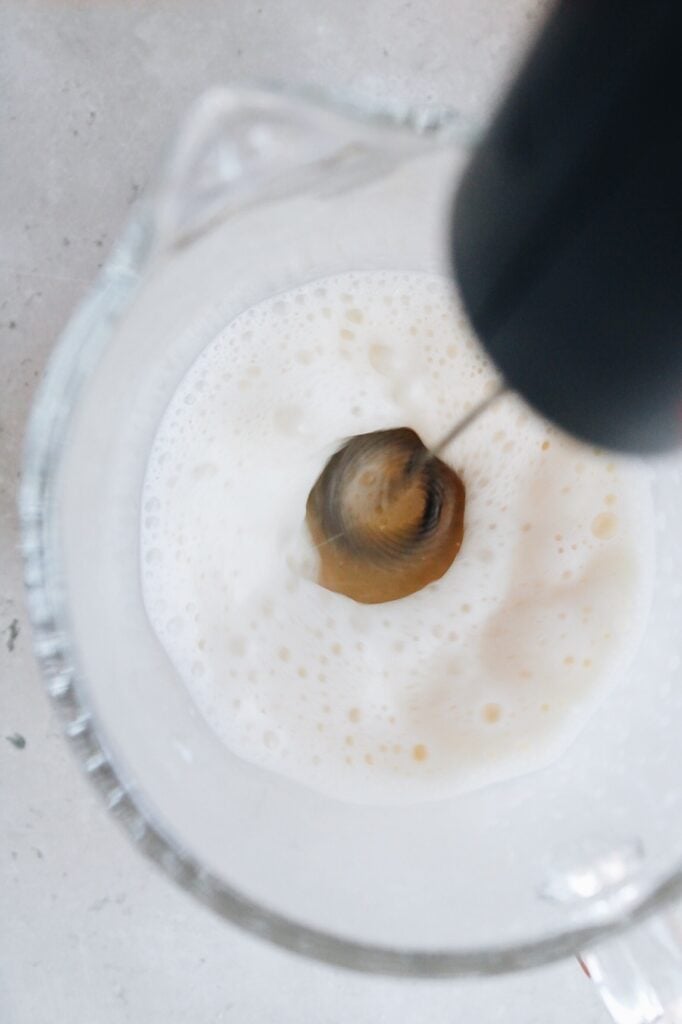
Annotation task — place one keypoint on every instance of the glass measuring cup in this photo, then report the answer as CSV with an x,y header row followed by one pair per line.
x,y
261,192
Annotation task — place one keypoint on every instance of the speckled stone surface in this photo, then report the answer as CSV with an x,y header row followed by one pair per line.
x,y
89,931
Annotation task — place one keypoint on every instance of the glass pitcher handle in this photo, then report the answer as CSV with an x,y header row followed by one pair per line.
x,y
638,974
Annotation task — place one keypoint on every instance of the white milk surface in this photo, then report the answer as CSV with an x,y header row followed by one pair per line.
x,y
486,674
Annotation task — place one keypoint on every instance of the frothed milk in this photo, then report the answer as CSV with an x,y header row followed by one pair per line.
x,y
489,672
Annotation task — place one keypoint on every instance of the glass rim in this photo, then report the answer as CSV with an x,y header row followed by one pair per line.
x,y
76,351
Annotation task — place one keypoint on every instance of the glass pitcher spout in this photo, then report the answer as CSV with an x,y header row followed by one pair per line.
x,y
243,145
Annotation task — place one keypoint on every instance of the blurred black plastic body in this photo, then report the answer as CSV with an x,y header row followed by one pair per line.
x,y
567,231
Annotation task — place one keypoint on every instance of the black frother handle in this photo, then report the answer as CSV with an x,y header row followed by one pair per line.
x,y
567,232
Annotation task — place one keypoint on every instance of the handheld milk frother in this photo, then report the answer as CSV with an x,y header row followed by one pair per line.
x,y
567,248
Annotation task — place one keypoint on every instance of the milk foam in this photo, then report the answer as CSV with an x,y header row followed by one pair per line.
x,y
489,672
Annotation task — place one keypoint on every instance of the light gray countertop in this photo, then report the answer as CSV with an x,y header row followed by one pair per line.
x,y
91,932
